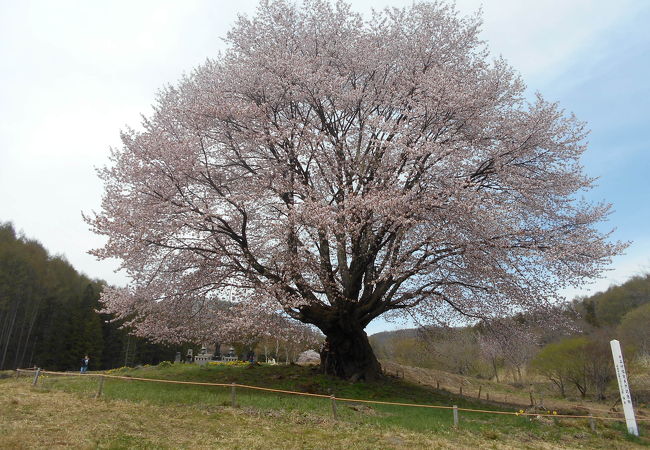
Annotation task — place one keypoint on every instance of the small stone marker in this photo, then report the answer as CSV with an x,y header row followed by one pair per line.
x,y
177,359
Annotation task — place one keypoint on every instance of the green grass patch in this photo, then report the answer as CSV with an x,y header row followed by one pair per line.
x,y
490,427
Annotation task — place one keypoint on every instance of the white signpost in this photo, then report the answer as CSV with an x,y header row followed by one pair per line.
x,y
624,389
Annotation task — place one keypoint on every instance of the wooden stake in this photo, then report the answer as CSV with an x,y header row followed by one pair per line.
x,y
592,423
455,416
479,391
334,407
233,396
36,375
100,388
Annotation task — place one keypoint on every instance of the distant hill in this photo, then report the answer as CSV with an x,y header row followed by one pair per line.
x,y
621,312
608,308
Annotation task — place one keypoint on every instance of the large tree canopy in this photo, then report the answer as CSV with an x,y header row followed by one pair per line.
x,y
337,168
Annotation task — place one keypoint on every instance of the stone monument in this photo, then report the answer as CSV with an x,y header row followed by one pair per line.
x,y
203,357
308,358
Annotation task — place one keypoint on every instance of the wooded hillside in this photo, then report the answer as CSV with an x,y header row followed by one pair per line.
x,y
575,358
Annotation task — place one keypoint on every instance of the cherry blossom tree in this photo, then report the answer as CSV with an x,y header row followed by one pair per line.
x,y
509,341
334,168
492,351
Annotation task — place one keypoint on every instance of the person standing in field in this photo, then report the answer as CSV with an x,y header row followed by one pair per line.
x,y
84,364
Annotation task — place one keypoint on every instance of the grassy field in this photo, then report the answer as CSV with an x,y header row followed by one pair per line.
x,y
62,411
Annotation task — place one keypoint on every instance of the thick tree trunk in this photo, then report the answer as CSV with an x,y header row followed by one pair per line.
x,y
347,354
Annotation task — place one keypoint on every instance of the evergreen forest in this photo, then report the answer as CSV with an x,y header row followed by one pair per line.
x,y
49,318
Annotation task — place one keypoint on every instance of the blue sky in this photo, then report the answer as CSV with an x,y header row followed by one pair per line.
x,y
606,85
73,73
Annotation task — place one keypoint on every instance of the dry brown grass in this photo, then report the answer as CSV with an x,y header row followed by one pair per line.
x,y
502,392
39,418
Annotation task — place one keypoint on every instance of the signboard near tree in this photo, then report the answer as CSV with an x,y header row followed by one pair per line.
x,y
623,387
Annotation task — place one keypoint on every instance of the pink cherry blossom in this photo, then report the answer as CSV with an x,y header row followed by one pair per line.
x,y
333,168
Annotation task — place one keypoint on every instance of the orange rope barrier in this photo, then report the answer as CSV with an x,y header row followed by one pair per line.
x,y
156,380
342,399
258,388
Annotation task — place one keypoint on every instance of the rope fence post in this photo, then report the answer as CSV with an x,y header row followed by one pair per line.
x,y
333,400
479,391
100,388
487,396
460,390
